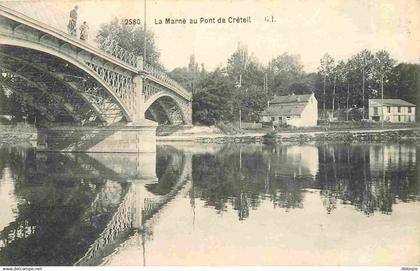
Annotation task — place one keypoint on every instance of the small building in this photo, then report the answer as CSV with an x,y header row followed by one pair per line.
x,y
392,110
294,110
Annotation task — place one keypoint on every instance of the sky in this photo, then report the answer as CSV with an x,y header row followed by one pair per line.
x,y
309,28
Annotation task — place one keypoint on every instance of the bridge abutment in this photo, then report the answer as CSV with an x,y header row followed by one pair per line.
x,y
136,138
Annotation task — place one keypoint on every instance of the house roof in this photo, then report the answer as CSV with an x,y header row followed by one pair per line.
x,y
291,99
293,109
390,102
291,105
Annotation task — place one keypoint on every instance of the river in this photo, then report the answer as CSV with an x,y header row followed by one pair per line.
x,y
328,204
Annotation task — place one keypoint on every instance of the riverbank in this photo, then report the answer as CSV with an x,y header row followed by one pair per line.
x,y
359,135
18,133
23,133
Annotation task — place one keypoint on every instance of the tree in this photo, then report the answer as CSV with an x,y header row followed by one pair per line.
x,y
363,61
194,73
131,38
4,102
404,83
343,71
243,69
288,63
383,65
189,77
299,88
252,102
326,69
214,102
182,76
283,71
343,77
237,63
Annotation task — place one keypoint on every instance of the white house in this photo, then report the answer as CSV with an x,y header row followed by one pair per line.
x,y
294,110
392,110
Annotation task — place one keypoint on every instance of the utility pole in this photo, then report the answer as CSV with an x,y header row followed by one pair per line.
x,y
323,106
265,85
333,98
145,34
382,99
240,105
240,157
363,93
240,117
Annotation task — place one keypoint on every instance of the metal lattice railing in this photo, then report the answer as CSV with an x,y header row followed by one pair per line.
x,y
162,76
110,45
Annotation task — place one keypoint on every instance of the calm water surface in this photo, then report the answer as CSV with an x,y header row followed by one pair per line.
x,y
212,205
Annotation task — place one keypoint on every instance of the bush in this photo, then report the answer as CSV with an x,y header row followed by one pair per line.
x,y
165,130
229,128
366,123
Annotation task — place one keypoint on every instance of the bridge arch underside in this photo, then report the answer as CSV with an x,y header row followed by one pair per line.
x,y
165,110
56,90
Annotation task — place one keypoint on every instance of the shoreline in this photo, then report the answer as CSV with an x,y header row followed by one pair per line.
x,y
359,135
350,135
21,133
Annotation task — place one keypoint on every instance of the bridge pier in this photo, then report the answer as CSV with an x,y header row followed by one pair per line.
x,y
138,138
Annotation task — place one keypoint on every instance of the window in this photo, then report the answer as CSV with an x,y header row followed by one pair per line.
x,y
375,111
399,109
389,109
273,118
409,109
399,118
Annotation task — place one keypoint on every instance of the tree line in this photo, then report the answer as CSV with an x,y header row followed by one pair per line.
x,y
340,86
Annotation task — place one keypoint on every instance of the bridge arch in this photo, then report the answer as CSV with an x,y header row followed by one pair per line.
x,y
76,62
171,104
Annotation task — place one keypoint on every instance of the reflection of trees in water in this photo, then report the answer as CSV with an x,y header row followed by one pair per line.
x,y
219,181
351,174
54,223
169,163
4,159
287,175
244,177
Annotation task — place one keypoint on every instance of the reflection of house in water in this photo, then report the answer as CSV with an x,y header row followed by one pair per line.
x,y
300,160
383,157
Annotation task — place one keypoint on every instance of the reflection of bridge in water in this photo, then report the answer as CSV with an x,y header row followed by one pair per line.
x,y
115,195
138,204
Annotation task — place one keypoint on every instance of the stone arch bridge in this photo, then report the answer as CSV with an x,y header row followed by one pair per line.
x,y
65,78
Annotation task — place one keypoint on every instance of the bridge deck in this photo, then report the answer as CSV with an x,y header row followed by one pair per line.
x,y
114,82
